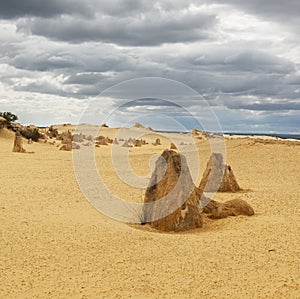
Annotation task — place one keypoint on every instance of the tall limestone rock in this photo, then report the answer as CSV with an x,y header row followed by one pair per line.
x,y
180,209
18,144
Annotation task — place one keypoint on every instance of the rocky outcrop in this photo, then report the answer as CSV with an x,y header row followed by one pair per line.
x,y
18,144
235,207
131,141
108,140
138,143
138,125
157,142
75,146
218,176
78,137
173,202
88,143
126,144
101,140
172,182
66,140
199,134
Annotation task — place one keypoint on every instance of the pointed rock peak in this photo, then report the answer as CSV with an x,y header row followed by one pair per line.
x,y
172,199
218,176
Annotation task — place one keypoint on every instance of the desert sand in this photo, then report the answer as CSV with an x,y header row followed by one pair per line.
x,y
54,244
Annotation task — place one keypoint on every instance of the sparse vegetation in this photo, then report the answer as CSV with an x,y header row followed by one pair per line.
x,y
10,117
31,133
52,133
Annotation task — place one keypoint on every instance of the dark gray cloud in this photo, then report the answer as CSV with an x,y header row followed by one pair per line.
x,y
260,104
43,88
150,102
16,9
258,61
120,7
42,61
272,106
68,59
232,58
84,78
153,29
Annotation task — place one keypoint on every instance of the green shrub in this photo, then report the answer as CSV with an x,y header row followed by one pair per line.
x,y
10,117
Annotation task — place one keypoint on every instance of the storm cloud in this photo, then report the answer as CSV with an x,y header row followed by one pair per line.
x,y
242,57
15,9
151,29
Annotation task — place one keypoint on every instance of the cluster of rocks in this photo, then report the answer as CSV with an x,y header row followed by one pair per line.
x,y
101,140
66,141
72,142
172,201
183,201
199,134
132,142
126,143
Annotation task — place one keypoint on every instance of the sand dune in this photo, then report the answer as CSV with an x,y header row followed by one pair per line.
x,y
54,244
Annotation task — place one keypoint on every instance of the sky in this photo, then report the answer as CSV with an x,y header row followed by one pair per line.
x,y
241,57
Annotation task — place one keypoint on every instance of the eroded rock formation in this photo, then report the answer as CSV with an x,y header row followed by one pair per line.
x,y
173,202
235,207
172,181
157,142
66,140
18,144
218,176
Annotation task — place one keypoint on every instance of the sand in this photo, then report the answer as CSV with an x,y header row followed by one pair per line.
x,y
54,244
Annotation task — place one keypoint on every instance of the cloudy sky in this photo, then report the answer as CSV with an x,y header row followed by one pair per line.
x,y
243,57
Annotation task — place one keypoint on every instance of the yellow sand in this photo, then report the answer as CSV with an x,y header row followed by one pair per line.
x,y
54,244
